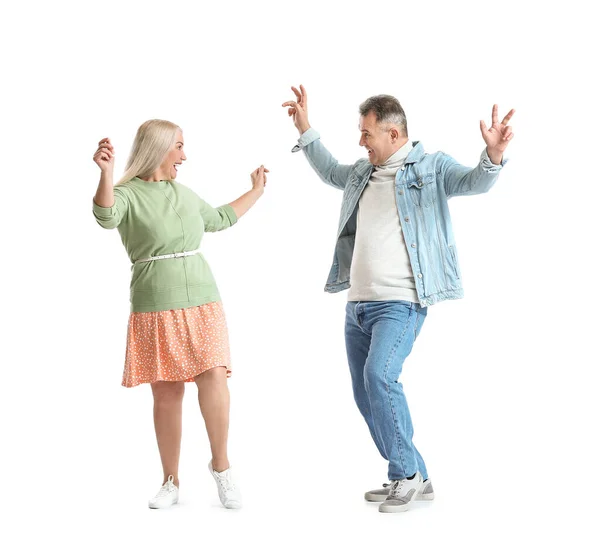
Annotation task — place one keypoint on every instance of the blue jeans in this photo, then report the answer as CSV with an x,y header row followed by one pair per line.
x,y
379,337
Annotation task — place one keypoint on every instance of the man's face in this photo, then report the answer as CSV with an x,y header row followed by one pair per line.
x,y
375,138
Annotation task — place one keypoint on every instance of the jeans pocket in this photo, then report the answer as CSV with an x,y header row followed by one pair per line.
x,y
419,322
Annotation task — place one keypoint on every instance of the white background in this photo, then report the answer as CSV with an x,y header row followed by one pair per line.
x,y
502,384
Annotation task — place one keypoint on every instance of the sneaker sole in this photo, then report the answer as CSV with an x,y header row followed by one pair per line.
x,y
383,508
426,497
377,498
164,506
394,508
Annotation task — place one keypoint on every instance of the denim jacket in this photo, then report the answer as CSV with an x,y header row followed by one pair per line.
x,y
422,188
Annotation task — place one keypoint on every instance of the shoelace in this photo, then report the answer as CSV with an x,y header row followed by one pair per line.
x,y
396,487
225,481
167,488
385,485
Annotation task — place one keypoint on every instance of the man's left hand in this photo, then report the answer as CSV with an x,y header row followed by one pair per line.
x,y
498,135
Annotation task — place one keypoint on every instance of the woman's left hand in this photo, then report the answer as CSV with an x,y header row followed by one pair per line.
x,y
259,179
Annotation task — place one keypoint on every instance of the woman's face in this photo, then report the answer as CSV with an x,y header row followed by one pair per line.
x,y
174,157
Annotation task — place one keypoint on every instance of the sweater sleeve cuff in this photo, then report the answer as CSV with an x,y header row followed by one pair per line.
x,y
305,139
102,212
488,165
230,213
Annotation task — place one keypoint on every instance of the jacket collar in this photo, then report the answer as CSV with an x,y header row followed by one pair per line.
x,y
417,153
365,168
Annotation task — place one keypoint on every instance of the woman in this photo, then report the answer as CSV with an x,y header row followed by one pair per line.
x,y
177,330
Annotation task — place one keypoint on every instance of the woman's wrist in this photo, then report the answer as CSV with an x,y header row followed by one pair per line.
x,y
106,177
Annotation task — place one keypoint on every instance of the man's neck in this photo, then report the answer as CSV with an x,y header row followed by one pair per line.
x,y
396,147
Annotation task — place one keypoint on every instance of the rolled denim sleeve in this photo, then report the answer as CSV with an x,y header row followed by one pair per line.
x,y
305,139
322,161
464,181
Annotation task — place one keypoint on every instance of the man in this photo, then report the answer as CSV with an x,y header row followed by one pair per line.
x,y
396,254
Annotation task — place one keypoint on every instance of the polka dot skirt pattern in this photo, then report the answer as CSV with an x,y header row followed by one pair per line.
x,y
176,345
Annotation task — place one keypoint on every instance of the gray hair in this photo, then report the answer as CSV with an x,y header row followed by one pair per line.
x,y
152,142
387,110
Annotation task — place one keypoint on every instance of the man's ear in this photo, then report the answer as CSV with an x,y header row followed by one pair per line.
x,y
394,134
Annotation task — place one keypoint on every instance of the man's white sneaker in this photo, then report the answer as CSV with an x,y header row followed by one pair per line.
x,y
229,494
401,494
167,495
380,494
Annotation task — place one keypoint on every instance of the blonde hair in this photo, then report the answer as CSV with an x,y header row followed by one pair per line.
x,y
152,142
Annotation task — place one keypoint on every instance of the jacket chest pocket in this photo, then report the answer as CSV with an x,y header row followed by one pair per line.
x,y
352,190
422,190
353,180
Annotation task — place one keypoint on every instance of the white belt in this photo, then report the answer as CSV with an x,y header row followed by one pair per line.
x,y
174,255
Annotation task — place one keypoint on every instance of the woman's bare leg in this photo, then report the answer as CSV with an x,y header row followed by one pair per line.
x,y
168,400
213,397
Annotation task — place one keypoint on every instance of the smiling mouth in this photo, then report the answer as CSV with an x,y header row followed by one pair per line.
x,y
176,164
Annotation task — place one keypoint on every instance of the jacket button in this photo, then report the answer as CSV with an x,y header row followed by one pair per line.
x,y
401,192
420,276
413,244
420,183
406,219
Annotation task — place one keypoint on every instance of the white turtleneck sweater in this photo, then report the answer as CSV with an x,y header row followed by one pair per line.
x,y
381,269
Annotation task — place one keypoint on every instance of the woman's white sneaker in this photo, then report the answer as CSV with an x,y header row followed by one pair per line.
x,y
401,494
229,494
167,495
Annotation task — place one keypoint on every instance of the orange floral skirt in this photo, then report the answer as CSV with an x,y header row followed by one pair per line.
x,y
176,345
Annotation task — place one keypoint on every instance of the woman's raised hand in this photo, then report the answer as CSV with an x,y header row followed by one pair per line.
x,y
105,155
259,179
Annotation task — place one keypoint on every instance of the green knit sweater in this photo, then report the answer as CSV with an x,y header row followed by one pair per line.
x,y
165,217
